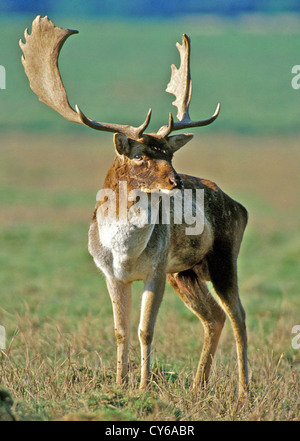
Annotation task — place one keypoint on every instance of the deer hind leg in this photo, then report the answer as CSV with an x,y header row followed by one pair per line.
x,y
120,295
223,273
195,294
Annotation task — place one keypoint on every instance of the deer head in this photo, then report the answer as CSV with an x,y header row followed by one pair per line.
x,y
147,162
40,57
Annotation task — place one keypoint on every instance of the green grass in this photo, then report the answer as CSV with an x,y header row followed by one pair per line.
x,y
116,70
61,353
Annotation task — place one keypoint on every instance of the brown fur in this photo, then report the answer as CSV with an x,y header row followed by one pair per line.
x,y
186,261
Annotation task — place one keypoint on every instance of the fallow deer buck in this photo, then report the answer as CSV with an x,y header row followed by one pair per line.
x,y
156,251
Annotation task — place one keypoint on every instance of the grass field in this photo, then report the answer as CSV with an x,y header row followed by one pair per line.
x,y
60,357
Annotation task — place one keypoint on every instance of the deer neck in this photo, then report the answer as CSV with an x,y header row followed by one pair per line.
x,y
125,234
128,196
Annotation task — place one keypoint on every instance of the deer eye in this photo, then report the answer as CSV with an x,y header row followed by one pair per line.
x,y
138,158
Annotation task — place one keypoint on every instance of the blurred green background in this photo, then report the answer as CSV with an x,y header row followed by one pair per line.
x,y
119,64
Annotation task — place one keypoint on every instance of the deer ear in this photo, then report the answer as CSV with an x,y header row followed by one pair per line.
x,y
121,144
178,141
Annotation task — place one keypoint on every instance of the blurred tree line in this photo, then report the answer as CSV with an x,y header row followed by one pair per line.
x,y
151,8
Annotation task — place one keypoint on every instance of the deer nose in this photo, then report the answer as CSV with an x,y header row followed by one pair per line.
x,y
176,182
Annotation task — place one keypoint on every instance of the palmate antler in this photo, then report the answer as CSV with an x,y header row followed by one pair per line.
x,y
180,85
41,50
40,56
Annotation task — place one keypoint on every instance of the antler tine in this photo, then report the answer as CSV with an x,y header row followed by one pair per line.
x,y
130,131
180,85
40,56
165,130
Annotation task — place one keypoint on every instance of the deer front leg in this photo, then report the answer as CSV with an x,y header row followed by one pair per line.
x,y
120,295
151,300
